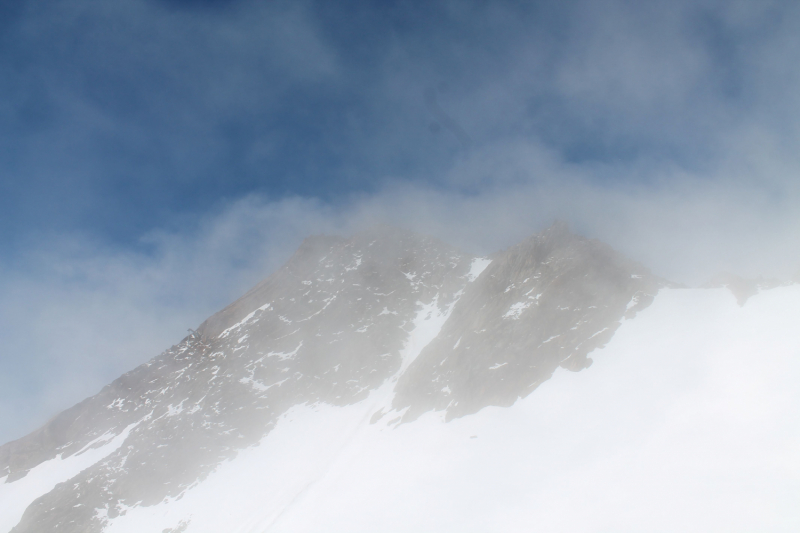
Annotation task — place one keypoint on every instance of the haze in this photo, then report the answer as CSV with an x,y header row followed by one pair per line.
x,y
157,158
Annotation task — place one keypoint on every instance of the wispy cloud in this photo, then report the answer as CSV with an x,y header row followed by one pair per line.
x,y
163,158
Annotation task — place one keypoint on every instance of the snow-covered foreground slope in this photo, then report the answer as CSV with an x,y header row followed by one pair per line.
x,y
688,420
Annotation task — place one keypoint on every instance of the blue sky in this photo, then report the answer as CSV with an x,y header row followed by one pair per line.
x,y
157,157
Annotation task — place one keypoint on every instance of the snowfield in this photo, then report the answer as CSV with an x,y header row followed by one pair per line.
x,y
688,420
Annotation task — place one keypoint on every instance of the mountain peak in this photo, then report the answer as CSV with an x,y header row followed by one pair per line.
x,y
546,302
386,314
380,248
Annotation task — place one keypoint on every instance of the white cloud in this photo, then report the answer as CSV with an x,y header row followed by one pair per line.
x,y
74,314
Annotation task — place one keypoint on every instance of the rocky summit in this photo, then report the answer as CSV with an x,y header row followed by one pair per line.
x,y
340,354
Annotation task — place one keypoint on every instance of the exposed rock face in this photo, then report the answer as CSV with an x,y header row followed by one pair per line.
x,y
330,326
547,302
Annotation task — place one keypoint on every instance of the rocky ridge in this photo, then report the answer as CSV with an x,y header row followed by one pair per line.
x,y
330,326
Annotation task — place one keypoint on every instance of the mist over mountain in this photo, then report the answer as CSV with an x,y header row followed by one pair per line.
x,y
389,381
159,157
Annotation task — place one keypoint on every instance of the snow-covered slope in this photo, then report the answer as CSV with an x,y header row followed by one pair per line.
x,y
688,421
391,383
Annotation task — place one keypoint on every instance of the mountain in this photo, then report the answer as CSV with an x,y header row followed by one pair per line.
x,y
390,382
